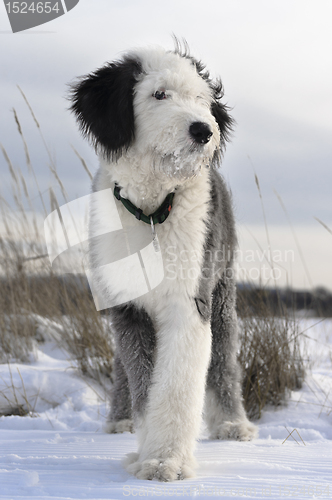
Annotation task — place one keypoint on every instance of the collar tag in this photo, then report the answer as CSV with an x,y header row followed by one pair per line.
x,y
155,241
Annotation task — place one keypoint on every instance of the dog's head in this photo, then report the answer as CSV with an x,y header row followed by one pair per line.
x,y
157,103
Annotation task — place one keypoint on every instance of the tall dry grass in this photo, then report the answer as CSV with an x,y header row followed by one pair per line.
x,y
270,353
29,287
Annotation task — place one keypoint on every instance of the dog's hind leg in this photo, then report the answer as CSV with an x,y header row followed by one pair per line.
x,y
224,411
135,345
120,417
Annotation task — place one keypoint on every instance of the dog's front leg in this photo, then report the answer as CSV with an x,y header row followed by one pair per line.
x,y
175,401
133,366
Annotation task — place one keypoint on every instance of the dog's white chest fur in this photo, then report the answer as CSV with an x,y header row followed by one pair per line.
x,y
181,237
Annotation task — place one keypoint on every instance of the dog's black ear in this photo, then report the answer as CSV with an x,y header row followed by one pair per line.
x,y
224,120
221,113
103,105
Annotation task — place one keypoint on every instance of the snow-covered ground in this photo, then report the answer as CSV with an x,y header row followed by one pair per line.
x,y
61,451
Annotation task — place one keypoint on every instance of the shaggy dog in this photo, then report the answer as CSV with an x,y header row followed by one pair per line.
x,y
159,126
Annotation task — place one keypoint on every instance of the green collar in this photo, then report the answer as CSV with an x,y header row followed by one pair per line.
x,y
159,216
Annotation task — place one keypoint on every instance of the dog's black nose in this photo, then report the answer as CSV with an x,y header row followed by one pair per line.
x,y
200,132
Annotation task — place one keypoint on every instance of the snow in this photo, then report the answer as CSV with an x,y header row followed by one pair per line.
x,y
59,450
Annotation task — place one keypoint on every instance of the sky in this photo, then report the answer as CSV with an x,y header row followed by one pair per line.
x,y
274,58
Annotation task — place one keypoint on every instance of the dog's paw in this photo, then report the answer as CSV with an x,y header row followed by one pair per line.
x,y
241,430
165,470
113,427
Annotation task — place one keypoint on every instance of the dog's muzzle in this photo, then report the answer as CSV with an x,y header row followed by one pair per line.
x,y
200,132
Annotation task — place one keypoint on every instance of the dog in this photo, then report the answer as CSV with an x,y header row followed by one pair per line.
x,y
158,124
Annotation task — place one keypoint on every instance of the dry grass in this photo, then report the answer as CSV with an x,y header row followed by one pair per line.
x,y
17,400
66,300
269,354
29,286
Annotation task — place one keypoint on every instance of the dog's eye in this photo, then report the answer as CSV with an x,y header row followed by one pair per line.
x,y
160,95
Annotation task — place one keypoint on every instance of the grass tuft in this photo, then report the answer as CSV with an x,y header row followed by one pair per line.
x,y
270,353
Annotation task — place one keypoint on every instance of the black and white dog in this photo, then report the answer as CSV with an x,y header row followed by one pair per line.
x,y
159,126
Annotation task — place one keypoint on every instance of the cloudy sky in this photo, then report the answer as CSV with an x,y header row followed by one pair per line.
x,y
274,57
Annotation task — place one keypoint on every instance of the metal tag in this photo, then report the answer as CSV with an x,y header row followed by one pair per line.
x,y
155,241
